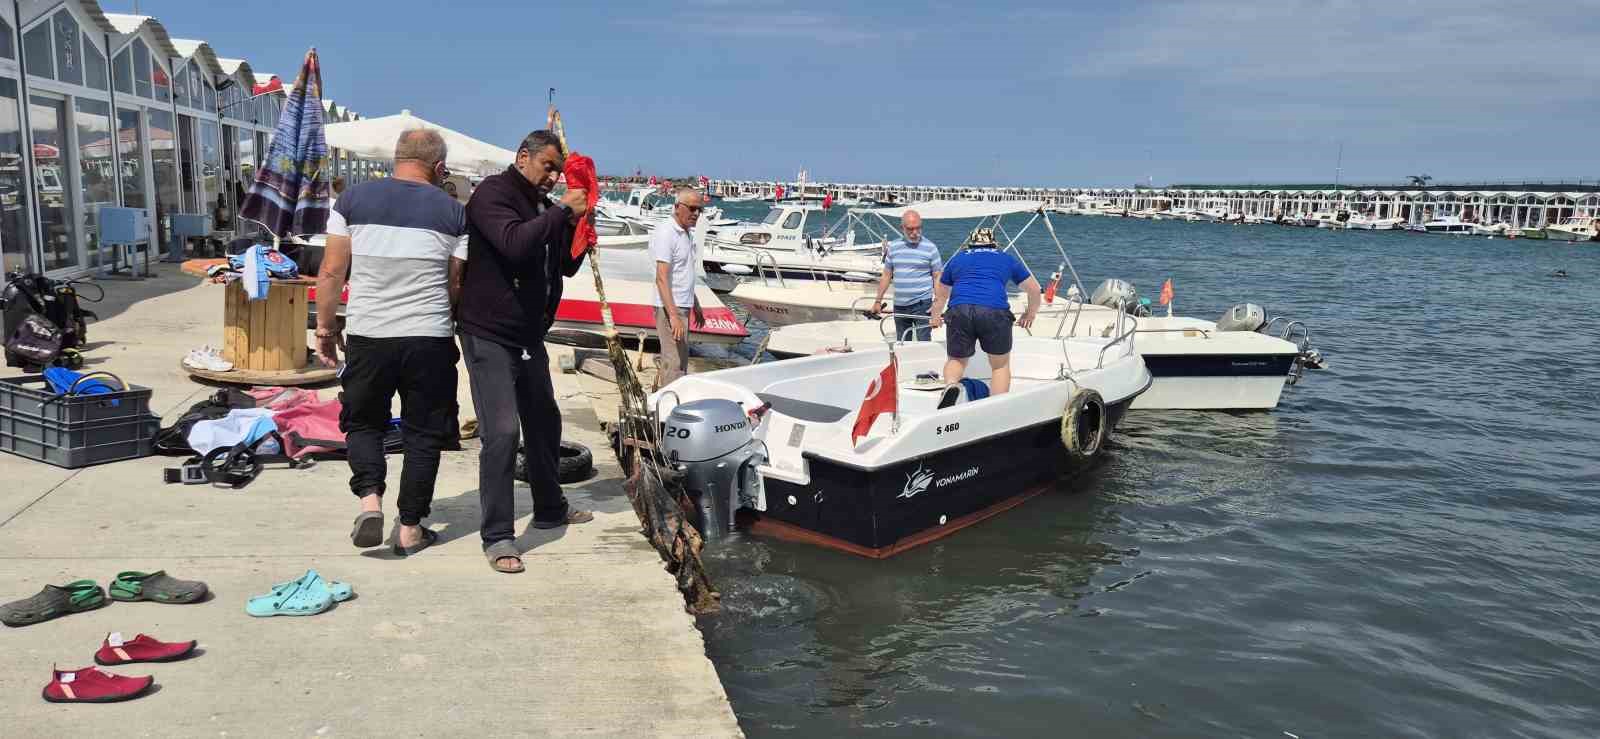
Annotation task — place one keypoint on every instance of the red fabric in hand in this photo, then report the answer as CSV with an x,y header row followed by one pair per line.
x,y
581,174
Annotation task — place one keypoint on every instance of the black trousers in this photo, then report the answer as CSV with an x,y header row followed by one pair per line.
x,y
423,370
511,394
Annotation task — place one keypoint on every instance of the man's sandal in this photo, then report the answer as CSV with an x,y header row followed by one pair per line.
x,y
156,586
502,551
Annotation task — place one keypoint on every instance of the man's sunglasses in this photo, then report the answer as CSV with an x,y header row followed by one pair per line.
x,y
693,208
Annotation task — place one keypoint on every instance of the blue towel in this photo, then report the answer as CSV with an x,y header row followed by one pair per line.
x,y
61,380
976,389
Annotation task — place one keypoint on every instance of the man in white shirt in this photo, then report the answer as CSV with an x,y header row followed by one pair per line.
x,y
673,250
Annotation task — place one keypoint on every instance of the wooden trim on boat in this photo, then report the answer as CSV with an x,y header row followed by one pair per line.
x,y
765,526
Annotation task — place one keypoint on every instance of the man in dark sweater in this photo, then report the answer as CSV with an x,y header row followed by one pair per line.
x,y
519,249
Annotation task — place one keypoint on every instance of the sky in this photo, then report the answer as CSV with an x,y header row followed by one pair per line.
x,y
992,93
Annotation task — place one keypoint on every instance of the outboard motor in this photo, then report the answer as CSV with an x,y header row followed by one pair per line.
x,y
1114,293
713,443
1243,317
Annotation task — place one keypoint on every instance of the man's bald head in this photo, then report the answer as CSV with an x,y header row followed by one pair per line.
x,y
911,224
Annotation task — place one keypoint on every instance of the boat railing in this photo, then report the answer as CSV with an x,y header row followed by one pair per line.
x,y
905,337
1122,318
761,271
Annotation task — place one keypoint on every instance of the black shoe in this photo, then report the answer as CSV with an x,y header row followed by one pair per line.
x,y
952,395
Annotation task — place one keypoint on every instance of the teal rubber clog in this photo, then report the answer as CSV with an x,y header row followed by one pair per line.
x,y
308,596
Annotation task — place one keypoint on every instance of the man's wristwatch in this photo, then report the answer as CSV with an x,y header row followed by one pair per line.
x,y
327,333
566,208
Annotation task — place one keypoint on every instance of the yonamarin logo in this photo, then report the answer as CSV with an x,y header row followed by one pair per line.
x,y
916,482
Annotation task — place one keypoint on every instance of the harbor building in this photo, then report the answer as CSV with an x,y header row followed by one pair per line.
x,y
106,109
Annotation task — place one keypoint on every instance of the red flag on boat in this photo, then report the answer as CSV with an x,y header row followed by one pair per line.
x,y
705,181
1166,291
778,195
883,396
827,201
1050,292
652,179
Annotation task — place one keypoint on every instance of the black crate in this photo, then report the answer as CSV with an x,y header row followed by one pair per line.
x,y
74,430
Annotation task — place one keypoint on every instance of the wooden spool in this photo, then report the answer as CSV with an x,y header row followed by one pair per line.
x,y
266,335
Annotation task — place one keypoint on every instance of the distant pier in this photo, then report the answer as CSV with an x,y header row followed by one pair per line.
x,y
1520,204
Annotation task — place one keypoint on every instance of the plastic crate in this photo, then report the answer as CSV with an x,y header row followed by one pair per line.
x,y
74,430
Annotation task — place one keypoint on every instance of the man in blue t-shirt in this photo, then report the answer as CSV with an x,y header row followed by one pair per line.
x,y
973,284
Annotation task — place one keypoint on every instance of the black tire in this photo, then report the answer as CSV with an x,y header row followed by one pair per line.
x,y
575,465
1084,425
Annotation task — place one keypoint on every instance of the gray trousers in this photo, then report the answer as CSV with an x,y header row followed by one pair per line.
x,y
674,354
514,395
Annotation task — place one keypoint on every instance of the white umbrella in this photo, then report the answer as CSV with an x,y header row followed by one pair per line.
x,y
374,138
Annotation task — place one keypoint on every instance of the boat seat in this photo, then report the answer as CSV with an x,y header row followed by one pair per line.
x,y
804,410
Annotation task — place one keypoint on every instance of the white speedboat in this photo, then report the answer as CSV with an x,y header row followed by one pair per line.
x,y
646,208
1578,228
1490,229
829,297
1370,223
1196,364
1447,225
784,228
740,198
776,441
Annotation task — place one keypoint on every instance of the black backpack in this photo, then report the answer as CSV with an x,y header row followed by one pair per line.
x,y
58,303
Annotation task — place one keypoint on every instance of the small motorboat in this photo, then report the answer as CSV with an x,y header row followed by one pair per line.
x,y
1232,365
1370,223
1528,232
777,443
1447,225
579,323
1578,228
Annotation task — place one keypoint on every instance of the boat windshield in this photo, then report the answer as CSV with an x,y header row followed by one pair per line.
x,y
773,216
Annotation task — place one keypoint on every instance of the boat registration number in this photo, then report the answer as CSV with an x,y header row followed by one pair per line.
x,y
945,429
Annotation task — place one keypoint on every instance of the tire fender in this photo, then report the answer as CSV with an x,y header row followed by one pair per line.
x,y
1083,424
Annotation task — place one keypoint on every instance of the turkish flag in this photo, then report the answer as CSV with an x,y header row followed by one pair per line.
x,y
1166,291
580,172
652,179
827,201
1050,292
883,396
779,194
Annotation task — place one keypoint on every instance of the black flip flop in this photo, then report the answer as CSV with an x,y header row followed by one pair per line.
x,y
368,529
429,536
504,550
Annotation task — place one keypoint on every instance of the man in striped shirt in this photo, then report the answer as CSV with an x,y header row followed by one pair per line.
x,y
913,265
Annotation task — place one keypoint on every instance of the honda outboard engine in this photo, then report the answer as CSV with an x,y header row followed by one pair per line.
x,y
713,442
1116,293
1243,317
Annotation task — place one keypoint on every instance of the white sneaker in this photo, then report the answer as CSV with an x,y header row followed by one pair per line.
x,y
207,358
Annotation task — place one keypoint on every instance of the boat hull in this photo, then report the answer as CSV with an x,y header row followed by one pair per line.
x,y
884,513
1208,382
1556,232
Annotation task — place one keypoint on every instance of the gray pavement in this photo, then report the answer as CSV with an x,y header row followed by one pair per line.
x,y
591,640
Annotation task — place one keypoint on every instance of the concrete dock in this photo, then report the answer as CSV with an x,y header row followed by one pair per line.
x,y
592,640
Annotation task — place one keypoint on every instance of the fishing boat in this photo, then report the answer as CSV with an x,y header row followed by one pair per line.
x,y
1577,228
1230,365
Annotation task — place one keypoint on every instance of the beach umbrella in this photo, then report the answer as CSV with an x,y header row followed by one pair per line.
x,y
292,191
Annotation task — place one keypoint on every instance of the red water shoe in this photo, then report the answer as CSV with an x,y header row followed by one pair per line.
x,y
117,651
90,685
